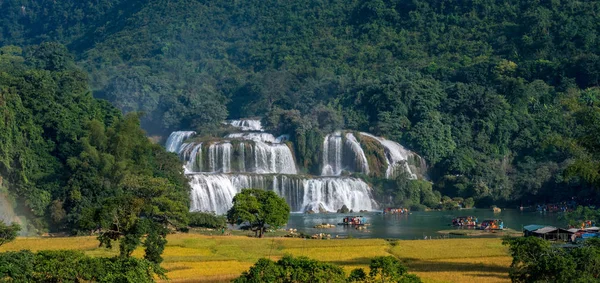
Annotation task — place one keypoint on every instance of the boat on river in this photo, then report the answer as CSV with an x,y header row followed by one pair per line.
x,y
492,224
354,221
465,221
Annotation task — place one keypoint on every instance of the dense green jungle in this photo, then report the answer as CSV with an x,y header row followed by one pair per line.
x,y
501,98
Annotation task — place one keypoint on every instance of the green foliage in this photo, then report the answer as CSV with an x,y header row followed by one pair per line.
x,y
303,269
387,269
536,260
290,269
72,266
582,214
8,233
257,209
501,98
144,205
207,220
357,275
75,163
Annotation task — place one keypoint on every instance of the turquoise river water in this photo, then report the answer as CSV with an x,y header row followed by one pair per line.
x,y
416,225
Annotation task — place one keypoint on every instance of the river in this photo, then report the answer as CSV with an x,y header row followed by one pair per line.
x,y
416,225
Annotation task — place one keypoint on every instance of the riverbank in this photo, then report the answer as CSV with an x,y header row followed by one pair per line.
x,y
482,233
204,258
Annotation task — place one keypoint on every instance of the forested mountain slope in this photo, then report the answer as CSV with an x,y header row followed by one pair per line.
x,y
67,158
501,97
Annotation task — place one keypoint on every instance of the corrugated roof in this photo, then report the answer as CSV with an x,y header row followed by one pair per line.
x,y
534,227
546,230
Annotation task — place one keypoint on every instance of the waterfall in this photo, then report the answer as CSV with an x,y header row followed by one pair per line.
x,y
193,158
247,124
242,160
218,169
261,137
332,193
176,139
212,193
396,155
252,156
273,158
332,155
215,192
341,155
219,157
360,160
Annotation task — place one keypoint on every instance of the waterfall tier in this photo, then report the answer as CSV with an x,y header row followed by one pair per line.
x,y
215,192
343,153
176,139
239,156
399,159
247,124
261,137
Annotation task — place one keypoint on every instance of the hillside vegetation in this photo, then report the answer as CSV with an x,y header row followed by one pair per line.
x,y
72,162
500,97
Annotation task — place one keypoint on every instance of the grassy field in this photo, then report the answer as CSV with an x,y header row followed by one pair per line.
x,y
203,258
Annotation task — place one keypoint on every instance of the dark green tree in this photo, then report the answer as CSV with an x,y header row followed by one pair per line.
x,y
8,233
258,209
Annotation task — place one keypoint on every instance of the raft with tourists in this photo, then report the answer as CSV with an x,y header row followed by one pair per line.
x,y
354,221
492,224
465,221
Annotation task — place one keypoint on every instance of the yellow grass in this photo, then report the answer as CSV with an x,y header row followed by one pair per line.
x,y
199,258
456,260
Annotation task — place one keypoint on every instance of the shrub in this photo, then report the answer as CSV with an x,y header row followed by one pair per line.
x,y
207,220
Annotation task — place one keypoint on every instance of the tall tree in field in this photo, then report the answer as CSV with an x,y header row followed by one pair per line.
x,y
8,232
257,209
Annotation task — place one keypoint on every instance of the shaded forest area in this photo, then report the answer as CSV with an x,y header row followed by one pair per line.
x,y
501,97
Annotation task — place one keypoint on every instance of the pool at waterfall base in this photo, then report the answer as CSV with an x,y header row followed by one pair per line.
x,y
414,225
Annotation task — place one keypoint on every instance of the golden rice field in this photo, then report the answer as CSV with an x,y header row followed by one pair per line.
x,y
201,258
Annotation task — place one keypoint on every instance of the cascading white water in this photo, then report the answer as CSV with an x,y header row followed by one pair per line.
x,y
253,157
214,192
219,157
261,137
247,124
193,158
341,155
396,155
332,155
360,159
273,158
331,194
176,139
208,165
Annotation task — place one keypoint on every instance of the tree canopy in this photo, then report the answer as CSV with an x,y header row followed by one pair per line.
x,y
8,233
258,209
69,158
537,260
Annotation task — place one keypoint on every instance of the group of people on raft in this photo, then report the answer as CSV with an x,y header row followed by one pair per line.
x,y
471,221
390,210
353,220
464,221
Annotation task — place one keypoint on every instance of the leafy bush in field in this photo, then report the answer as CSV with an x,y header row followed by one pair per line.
x,y
303,269
72,266
537,260
207,220
8,233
